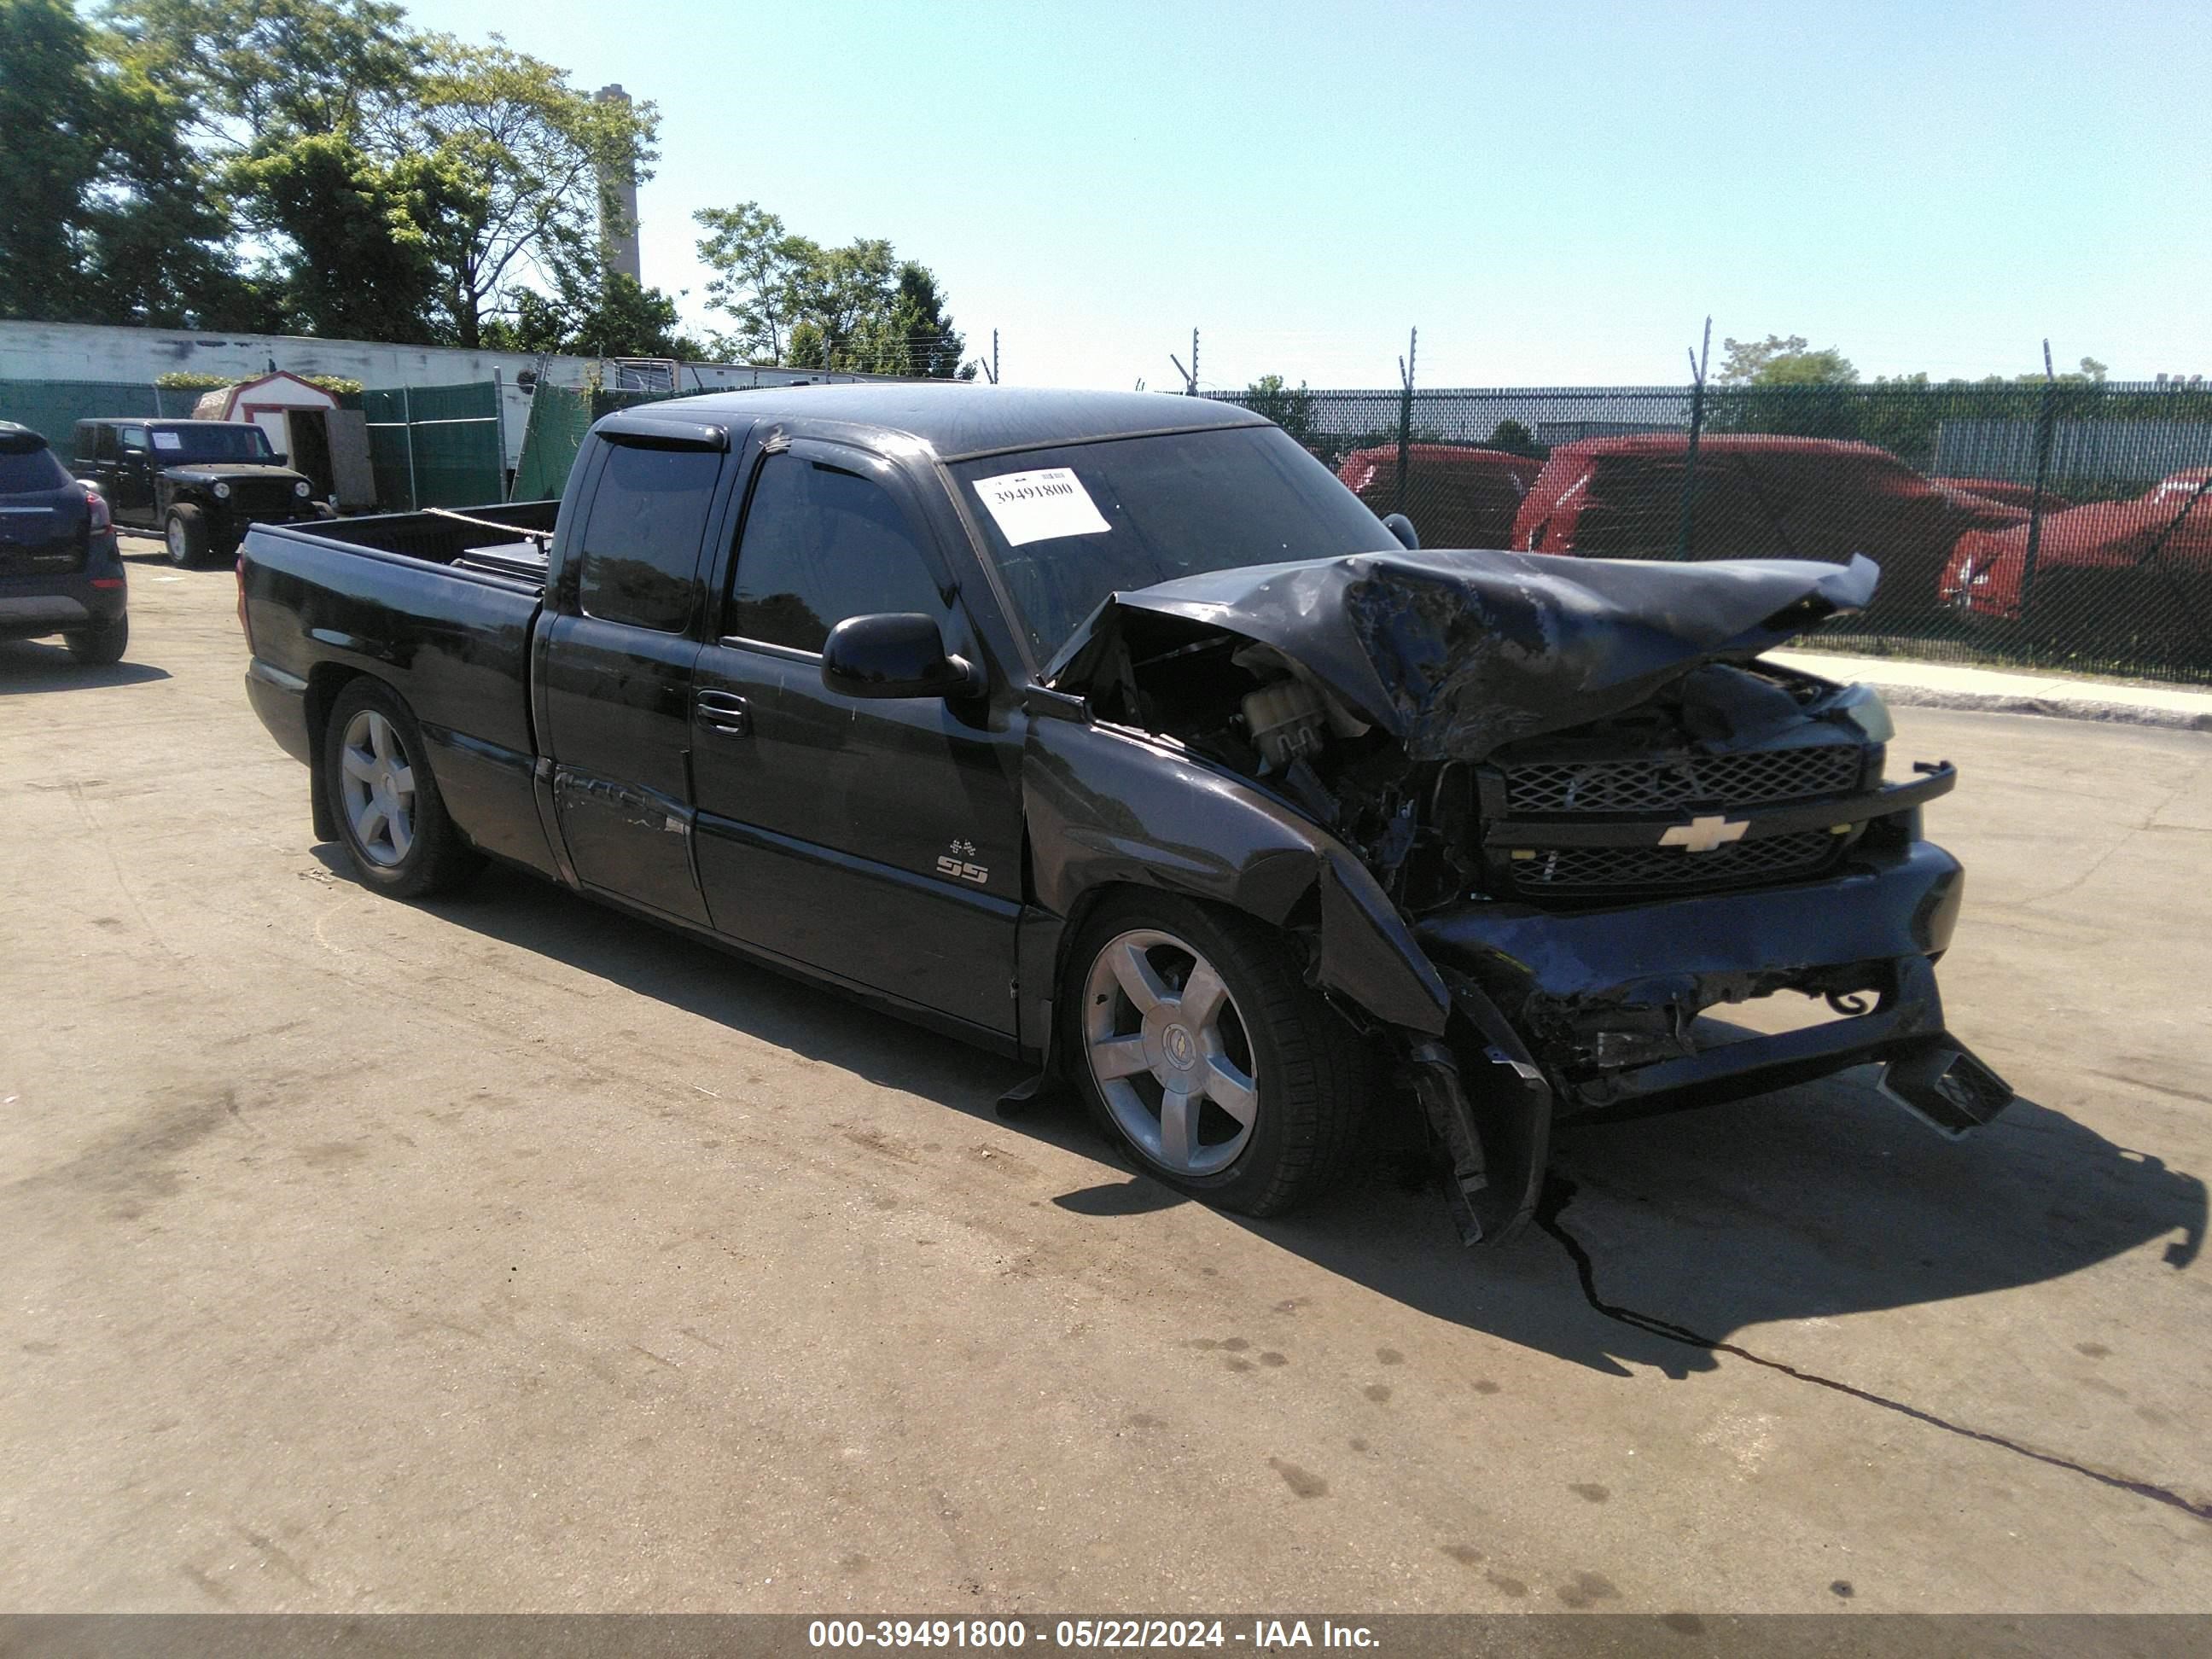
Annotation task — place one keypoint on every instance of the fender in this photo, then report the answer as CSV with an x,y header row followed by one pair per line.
x,y
1105,806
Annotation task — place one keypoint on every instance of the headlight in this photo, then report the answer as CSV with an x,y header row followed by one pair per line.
x,y
221,490
1862,705
301,490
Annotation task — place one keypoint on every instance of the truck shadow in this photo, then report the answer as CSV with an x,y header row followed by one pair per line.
x,y
1660,1237
28,665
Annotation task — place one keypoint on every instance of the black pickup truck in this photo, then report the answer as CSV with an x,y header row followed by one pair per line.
x,y
1112,732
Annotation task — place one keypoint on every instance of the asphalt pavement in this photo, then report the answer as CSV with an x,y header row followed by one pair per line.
x,y
508,1254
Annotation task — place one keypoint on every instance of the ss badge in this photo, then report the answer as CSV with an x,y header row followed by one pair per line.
x,y
954,870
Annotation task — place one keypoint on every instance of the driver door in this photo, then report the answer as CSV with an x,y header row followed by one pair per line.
x,y
875,841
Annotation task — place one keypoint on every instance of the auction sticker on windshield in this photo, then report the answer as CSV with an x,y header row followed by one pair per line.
x,y
168,440
1036,507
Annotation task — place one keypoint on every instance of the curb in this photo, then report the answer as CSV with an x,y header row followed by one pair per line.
x,y
2065,708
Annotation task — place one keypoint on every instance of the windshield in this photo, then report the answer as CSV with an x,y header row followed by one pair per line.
x,y
227,441
1068,526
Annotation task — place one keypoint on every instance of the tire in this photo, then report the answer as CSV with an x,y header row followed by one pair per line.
x,y
390,815
99,646
1282,1079
183,529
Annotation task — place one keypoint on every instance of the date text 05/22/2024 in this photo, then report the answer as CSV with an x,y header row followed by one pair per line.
x,y
1256,1635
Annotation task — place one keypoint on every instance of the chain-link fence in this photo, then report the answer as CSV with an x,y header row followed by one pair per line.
x,y
2063,525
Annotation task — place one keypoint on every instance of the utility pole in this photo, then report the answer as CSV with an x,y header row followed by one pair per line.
x,y
1193,362
994,356
1406,414
1699,361
2045,429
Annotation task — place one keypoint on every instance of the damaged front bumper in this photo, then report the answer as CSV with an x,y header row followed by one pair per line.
x,y
1563,1013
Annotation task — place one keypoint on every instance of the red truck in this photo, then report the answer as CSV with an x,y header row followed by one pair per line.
x,y
1805,498
1456,496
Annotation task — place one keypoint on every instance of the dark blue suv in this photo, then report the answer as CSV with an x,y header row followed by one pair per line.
x,y
60,570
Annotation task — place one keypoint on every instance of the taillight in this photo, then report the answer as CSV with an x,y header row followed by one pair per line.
x,y
102,521
243,627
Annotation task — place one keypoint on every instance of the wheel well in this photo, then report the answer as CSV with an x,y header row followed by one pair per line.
x,y
325,682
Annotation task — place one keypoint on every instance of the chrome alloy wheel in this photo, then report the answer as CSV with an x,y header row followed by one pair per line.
x,y
1169,1053
380,789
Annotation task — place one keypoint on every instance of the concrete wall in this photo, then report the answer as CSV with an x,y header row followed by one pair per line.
x,y
95,351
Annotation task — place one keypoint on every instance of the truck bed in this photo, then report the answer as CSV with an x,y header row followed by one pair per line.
x,y
438,606
486,541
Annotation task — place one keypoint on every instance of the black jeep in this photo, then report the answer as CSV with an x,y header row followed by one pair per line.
x,y
198,482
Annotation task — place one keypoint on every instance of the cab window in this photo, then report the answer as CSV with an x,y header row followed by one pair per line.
x,y
821,543
640,544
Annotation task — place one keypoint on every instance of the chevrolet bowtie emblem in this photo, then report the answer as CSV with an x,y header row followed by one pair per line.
x,y
1703,835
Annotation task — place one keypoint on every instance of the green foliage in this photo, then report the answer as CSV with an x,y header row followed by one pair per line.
x,y
594,313
522,153
1516,439
1293,412
103,215
311,165
1776,361
360,263
858,307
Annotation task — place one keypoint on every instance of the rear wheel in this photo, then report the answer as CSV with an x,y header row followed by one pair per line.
x,y
99,645
1203,1054
184,530
390,814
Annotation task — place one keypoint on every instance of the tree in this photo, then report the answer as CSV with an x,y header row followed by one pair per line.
x,y
361,263
103,215
1775,360
1293,412
266,72
1515,439
754,261
594,313
52,108
857,307
398,186
526,156
295,108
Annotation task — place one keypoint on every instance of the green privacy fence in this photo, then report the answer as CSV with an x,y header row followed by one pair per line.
x,y
54,407
436,446
2064,523
559,416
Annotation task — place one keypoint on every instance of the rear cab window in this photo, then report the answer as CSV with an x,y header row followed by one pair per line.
x,y
640,543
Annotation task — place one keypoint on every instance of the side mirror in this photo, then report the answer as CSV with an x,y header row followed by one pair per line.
x,y
278,457
1402,527
898,654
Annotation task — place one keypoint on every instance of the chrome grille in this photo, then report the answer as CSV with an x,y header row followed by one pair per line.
x,y
1593,869
1658,786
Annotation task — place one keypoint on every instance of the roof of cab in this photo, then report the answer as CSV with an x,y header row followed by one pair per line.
x,y
957,419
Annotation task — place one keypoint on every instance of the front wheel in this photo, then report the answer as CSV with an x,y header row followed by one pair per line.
x,y
1200,1050
391,817
185,532
100,645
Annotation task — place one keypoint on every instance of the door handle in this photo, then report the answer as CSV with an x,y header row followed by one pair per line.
x,y
723,712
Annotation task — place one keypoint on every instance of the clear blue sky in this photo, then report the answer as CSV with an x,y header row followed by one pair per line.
x,y
1556,193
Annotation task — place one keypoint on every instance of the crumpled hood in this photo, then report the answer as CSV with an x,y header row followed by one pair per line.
x,y
1457,653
